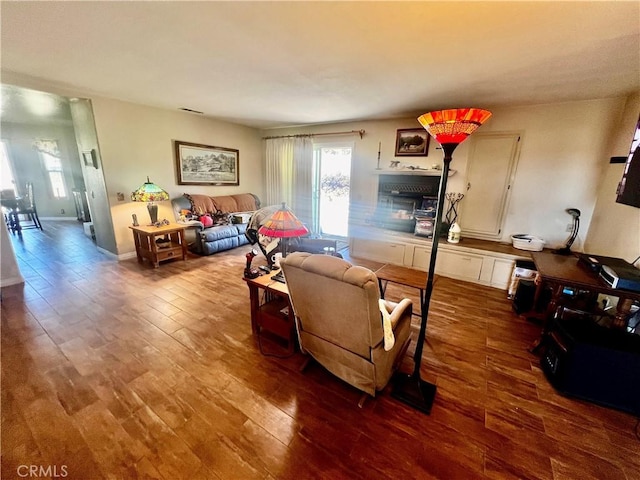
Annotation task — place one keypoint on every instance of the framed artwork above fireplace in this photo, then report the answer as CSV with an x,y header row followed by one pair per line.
x,y
412,142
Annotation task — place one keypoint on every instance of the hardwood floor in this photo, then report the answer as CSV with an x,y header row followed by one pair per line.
x,y
119,370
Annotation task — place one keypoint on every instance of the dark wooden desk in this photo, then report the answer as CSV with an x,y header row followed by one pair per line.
x,y
560,271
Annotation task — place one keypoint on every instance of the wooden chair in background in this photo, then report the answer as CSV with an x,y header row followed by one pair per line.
x,y
27,208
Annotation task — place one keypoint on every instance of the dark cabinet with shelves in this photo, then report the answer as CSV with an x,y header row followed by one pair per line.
x,y
271,312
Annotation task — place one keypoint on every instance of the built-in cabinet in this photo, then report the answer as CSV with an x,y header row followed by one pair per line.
x,y
484,262
490,172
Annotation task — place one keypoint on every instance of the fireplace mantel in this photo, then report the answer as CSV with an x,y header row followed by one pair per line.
x,y
408,171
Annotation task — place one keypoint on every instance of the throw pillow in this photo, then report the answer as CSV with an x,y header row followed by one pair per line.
x,y
200,204
389,340
221,218
224,203
206,221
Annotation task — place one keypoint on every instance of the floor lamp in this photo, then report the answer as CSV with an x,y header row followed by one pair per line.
x,y
449,128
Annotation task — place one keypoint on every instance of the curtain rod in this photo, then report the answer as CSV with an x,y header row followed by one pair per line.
x,y
350,132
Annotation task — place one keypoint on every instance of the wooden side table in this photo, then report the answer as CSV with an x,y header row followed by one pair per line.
x,y
147,246
273,313
409,277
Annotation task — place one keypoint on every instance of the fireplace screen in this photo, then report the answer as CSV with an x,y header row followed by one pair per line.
x,y
402,200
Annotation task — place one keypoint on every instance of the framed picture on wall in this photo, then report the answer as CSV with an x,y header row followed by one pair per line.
x,y
90,158
198,164
412,142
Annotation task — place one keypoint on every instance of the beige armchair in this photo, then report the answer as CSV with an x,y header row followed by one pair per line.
x,y
340,322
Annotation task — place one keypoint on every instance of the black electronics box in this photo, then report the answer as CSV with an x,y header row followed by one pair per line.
x,y
591,362
616,272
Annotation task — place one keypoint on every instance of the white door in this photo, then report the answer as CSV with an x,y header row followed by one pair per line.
x,y
490,171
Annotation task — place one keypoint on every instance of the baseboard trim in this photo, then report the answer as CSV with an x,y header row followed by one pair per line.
x,y
59,219
126,256
15,280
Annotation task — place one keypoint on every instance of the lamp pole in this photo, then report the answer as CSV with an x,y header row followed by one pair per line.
x,y
449,128
411,389
424,308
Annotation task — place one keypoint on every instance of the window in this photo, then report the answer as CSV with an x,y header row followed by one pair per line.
x,y
53,166
7,181
52,162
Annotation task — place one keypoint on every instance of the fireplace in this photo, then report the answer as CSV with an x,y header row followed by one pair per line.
x,y
404,198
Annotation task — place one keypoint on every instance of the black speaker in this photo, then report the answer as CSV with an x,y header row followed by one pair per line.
x,y
525,294
591,362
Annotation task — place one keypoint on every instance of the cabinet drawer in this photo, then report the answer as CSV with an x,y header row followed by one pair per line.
x,y
459,265
387,252
421,258
167,253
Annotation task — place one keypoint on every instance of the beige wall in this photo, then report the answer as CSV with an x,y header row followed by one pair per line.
x,y
564,162
615,228
136,141
564,153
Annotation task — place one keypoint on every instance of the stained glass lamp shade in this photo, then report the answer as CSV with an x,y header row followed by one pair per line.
x,y
449,128
283,224
149,192
453,126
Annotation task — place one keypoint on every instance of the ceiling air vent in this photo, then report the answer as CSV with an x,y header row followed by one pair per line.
x,y
190,111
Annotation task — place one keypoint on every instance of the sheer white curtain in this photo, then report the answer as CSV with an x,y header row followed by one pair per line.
x,y
289,174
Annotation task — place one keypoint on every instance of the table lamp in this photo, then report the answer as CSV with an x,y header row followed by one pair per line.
x,y
449,128
575,214
283,224
149,192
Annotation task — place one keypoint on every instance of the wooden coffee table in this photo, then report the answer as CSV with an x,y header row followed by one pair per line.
x,y
409,277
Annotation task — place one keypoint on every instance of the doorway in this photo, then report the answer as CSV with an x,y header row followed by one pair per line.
x,y
331,187
70,124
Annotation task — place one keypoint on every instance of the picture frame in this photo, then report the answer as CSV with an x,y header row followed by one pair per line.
x,y
412,142
198,164
90,158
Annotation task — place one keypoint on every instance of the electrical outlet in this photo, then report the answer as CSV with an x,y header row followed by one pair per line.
x,y
570,227
120,196
62,211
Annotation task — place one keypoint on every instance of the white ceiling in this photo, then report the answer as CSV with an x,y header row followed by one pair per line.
x,y
270,64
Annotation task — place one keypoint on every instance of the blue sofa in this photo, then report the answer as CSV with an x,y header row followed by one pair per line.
x,y
230,215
